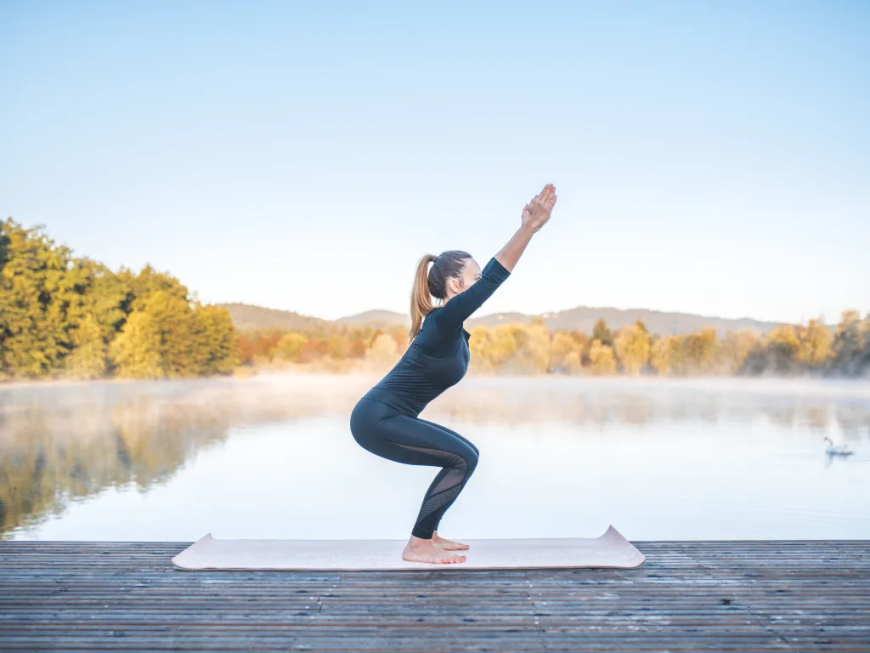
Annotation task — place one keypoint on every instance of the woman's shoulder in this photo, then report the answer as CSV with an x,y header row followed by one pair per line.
x,y
432,317
436,330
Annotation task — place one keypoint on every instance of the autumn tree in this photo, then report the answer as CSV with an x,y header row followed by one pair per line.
x,y
565,353
289,346
88,359
736,348
662,355
602,360
215,340
632,346
701,350
136,351
850,345
36,287
602,333
814,344
384,350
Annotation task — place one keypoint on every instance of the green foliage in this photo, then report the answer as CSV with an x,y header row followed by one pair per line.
x,y
67,316
36,288
136,351
216,341
602,333
87,360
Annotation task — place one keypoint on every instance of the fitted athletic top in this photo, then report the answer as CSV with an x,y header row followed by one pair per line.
x,y
438,356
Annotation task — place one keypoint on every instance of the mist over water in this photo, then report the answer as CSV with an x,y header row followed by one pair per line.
x,y
273,457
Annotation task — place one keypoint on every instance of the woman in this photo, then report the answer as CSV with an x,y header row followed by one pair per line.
x,y
384,421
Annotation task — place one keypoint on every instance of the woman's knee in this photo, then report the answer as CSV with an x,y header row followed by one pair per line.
x,y
452,432
464,460
471,460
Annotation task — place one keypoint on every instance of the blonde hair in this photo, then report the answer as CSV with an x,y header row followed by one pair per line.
x,y
432,282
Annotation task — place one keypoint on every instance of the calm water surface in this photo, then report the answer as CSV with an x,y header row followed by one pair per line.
x,y
273,457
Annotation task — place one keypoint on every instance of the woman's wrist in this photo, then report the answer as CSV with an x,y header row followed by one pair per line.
x,y
527,229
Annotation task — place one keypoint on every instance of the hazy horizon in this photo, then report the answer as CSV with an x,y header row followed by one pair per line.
x,y
483,314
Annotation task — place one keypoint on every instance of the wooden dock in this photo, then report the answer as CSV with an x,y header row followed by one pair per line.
x,y
688,596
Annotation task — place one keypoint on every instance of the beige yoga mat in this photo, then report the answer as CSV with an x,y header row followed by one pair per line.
x,y
608,550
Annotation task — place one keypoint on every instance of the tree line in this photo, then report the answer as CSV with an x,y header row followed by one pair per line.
x,y
65,316
811,349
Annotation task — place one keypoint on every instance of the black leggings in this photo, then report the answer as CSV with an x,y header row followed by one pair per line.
x,y
390,434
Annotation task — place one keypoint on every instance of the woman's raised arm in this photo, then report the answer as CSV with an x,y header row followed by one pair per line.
x,y
459,307
535,215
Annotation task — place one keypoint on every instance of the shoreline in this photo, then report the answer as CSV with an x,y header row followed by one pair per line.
x,y
802,385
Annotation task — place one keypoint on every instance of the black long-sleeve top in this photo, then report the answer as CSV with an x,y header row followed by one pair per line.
x,y
438,357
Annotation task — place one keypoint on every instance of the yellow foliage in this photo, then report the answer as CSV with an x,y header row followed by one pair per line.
x,y
492,348
566,353
383,350
289,345
661,356
815,341
88,359
135,351
785,337
736,347
602,360
632,346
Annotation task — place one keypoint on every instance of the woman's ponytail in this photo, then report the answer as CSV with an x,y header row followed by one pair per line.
x,y
421,296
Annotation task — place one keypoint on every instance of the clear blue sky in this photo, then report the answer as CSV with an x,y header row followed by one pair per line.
x,y
709,157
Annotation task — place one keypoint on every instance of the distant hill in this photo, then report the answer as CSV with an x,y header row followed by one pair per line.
x,y
247,316
376,318
582,318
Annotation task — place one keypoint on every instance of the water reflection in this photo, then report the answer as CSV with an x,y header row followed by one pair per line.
x,y
60,444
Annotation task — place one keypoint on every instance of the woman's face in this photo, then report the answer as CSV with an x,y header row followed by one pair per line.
x,y
470,274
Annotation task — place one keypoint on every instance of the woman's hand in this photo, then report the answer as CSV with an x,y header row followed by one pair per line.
x,y
537,212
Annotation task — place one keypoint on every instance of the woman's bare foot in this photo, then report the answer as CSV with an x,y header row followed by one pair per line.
x,y
420,550
448,545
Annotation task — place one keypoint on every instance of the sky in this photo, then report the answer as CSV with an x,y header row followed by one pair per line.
x,y
709,158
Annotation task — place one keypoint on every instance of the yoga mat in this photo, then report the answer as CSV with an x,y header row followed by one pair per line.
x,y
608,550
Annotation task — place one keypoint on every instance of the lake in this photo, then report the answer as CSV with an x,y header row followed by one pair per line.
x,y
273,457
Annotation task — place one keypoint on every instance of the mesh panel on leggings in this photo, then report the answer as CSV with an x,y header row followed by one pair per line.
x,y
438,501
449,459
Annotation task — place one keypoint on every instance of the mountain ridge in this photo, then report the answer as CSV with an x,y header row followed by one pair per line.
x,y
580,318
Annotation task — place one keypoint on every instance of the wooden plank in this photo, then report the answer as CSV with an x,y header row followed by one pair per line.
x,y
688,596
